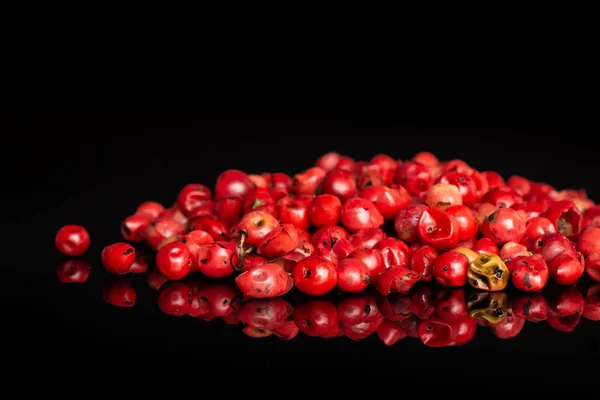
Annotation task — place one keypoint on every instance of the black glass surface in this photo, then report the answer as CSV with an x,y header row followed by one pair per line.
x,y
93,168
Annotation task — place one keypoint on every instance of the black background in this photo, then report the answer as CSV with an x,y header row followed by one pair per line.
x,y
92,165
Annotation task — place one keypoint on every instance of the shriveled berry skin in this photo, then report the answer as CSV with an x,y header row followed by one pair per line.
x,y
133,228
438,229
488,272
450,269
263,281
229,209
162,228
191,196
73,271
233,183
537,227
467,224
396,280
150,208
388,201
566,217
485,246
373,259
367,238
72,240
279,241
175,299
530,273
352,275
325,210
308,181
194,240
327,236
551,245
566,269
257,225
293,212
359,213
407,221
174,260
317,318
505,225
340,183
119,292
117,258
422,261
218,259
589,242
464,183
395,253
314,275
260,200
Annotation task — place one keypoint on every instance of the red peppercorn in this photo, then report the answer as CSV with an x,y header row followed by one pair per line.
x,y
252,260
566,217
174,261
260,181
494,179
589,241
362,330
218,259
421,302
390,332
314,275
591,218
359,213
502,197
328,161
175,299
537,227
512,250
194,240
150,208
308,181
426,159
325,210
256,225
565,308
416,178
176,214
216,229
72,240
464,183
269,314
367,238
398,279
422,260
485,246
279,241
119,292
531,307
191,196
551,245
340,183
287,331
467,225
438,229
342,249
295,212
509,327
450,268
592,266
327,236
118,257
435,332
520,185
505,225
265,280
395,253
162,228
450,305
388,201
566,269
530,273
356,309
482,211
317,318
229,209
352,275
443,195
73,271
407,221
372,259
140,264
233,183
260,200
133,228
219,298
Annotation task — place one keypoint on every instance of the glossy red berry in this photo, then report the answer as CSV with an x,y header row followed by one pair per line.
x,y
592,266
314,275
279,241
233,183
328,161
119,292
367,238
591,218
308,181
256,225
359,213
537,227
327,236
450,269
150,208
589,242
505,225
426,159
191,196
485,246
317,318
118,257
566,217
265,280
175,298
566,269
216,229
388,201
229,209
414,177
176,214
352,275
530,273
373,259
73,271
340,183
407,221
140,264
325,210
494,179
396,280
174,261
260,200
502,197
464,183
162,228
295,212
551,245
520,185
443,195
133,228
422,260
438,229
467,225
512,250
194,240
482,211
218,259
72,240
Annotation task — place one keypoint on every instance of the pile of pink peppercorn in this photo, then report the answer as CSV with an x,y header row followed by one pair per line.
x,y
323,229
